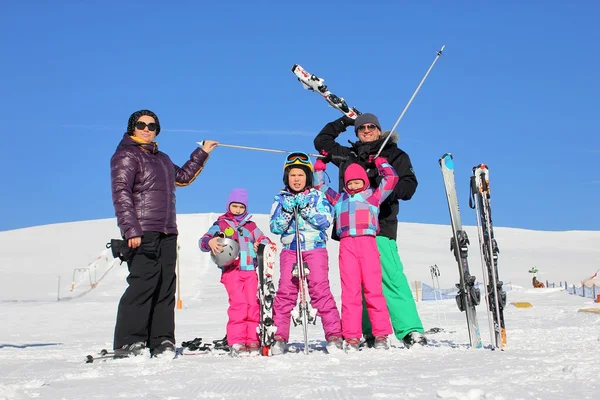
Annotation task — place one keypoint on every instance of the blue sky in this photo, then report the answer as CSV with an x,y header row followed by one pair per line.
x,y
517,89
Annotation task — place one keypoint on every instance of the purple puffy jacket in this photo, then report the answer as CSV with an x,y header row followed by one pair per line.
x,y
143,182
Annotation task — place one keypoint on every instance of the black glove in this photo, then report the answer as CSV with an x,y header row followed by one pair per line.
x,y
120,249
346,121
342,123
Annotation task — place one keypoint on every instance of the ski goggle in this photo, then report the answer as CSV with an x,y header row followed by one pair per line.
x,y
141,125
298,159
362,128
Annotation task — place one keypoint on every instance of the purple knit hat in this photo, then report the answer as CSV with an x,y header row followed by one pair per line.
x,y
238,196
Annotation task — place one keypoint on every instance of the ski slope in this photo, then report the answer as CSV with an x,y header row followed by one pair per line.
x,y
552,348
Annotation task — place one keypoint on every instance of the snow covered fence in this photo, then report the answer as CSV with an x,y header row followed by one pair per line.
x,y
589,290
424,292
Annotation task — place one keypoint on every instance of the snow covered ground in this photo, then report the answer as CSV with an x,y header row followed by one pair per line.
x,y
552,348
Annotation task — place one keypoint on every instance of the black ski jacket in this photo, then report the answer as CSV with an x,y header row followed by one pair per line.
x,y
359,152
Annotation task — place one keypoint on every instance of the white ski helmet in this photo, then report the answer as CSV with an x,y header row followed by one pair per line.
x,y
231,250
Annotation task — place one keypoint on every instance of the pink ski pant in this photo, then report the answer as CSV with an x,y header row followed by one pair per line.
x,y
360,268
319,291
244,308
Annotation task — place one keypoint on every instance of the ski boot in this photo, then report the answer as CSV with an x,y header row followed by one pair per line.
x,y
381,343
130,350
279,346
165,348
237,350
253,349
351,345
334,343
414,338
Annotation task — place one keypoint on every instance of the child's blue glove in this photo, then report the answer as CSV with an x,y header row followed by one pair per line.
x,y
302,200
288,204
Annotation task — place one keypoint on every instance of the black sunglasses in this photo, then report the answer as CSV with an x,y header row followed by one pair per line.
x,y
141,125
363,127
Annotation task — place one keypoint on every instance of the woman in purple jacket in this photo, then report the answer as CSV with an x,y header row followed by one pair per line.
x,y
143,181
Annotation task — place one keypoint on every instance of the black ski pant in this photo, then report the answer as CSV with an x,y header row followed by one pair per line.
x,y
146,311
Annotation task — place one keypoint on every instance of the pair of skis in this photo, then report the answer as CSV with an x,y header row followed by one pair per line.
x,y
315,84
469,295
495,295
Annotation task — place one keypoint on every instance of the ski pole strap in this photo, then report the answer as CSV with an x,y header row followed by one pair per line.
x,y
473,192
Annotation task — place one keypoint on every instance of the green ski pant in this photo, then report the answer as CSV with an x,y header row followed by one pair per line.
x,y
397,293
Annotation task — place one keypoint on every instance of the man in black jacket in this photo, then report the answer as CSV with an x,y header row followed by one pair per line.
x,y
403,311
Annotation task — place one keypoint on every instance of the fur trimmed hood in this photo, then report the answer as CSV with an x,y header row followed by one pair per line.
x,y
395,137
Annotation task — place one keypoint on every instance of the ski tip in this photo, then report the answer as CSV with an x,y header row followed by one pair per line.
x,y
294,67
482,168
447,160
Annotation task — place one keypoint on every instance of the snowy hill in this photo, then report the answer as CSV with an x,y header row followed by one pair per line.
x,y
32,259
43,342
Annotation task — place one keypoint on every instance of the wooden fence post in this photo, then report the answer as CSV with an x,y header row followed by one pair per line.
x,y
417,291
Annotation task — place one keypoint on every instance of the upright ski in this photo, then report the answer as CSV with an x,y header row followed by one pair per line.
x,y
304,314
316,84
266,293
495,296
468,296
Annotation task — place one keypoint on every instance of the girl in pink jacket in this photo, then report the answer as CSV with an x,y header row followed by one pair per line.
x,y
356,213
239,278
